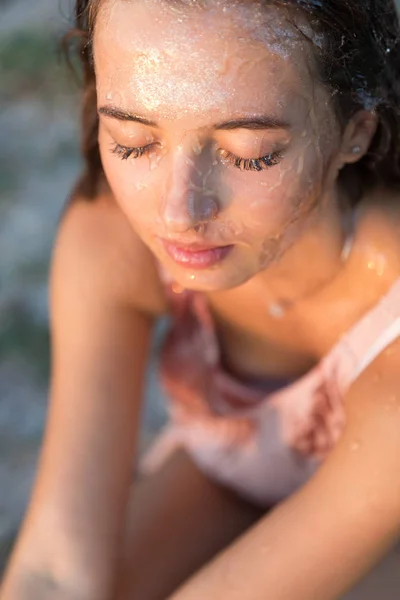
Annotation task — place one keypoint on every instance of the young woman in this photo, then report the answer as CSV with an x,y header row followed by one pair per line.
x,y
242,176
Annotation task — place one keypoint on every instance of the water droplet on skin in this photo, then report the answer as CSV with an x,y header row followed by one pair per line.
x,y
154,159
276,310
197,148
109,96
192,277
189,162
153,163
378,265
300,166
392,404
176,288
355,446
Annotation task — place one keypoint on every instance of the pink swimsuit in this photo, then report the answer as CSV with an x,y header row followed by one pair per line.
x,y
262,443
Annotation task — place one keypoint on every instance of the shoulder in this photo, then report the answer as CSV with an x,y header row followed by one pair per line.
x,y
367,276
374,264
377,388
378,277
372,432
96,243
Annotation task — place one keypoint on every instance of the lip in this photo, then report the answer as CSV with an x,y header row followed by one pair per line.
x,y
196,255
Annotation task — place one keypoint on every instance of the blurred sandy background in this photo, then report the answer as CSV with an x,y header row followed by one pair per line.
x,y
39,161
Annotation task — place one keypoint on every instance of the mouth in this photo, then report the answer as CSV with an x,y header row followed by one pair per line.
x,y
197,255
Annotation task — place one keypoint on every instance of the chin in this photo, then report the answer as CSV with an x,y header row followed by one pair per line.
x,y
210,280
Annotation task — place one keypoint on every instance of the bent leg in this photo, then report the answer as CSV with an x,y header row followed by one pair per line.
x,y
179,520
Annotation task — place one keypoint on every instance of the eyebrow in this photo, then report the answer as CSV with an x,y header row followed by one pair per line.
x,y
125,115
253,122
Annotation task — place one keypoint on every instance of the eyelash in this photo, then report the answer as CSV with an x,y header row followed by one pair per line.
x,y
124,152
244,164
251,164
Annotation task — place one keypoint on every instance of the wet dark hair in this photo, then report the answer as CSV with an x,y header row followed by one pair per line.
x,y
359,60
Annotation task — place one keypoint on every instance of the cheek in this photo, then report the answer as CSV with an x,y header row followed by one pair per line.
x,y
281,210
301,181
275,198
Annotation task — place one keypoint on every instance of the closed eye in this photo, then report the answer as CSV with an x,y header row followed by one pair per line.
x,y
250,164
227,158
124,152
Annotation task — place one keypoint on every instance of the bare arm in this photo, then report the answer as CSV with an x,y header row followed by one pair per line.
x,y
103,296
324,539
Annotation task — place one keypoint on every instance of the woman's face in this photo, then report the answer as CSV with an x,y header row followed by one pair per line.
x,y
220,146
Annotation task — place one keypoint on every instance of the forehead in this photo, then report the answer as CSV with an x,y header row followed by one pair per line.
x,y
156,57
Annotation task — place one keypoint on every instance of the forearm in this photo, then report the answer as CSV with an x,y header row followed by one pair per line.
x,y
61,553
283,559
311,547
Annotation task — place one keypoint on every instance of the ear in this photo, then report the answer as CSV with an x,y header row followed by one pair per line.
x,y
357,137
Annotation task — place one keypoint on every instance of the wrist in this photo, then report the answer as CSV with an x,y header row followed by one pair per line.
x,y
31,585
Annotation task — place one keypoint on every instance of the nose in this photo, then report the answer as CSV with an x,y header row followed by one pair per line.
x,y
187,201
